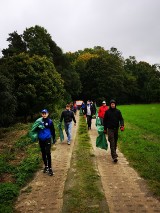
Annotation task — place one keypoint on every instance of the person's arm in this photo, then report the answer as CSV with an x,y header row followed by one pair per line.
x,y
73,117
121,120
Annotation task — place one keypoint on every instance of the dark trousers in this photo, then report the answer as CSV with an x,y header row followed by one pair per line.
x,y
113,138
89,119
46,151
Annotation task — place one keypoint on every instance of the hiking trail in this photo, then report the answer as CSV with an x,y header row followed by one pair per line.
x,y
124,190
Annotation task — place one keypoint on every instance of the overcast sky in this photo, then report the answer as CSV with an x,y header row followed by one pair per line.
x,y
131,26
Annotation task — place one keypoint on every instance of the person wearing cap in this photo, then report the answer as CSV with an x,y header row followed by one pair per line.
x,y
102,110
67,115
88,112
46,134
112,121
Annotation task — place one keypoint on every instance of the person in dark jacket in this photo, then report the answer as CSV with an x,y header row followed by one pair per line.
x,y
83,107
45,137
68,115
88,111
112,120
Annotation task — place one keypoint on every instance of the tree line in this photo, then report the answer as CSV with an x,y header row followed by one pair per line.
x,y
35,73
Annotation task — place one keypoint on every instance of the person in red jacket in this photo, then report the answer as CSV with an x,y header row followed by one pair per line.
x,y
102,110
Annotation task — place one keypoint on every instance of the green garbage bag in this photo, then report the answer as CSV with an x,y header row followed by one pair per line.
x,y
34,130
101,141
61,132
98,121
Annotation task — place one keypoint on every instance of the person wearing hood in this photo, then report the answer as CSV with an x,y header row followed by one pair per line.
x,y
112,121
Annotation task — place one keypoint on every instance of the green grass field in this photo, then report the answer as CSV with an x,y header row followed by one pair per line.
x,y
140,142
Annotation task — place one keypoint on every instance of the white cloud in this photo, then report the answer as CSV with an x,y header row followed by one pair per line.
x,y
130,26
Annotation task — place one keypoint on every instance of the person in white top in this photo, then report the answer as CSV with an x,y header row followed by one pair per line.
x,y
88,111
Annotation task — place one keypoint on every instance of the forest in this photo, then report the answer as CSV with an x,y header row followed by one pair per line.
x,y
35,73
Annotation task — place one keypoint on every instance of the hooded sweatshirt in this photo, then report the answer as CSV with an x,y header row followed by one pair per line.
x,y
113,118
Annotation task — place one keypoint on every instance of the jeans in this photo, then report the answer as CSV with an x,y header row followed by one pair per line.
x,y
68,128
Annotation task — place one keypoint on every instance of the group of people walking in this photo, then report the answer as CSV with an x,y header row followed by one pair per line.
x,y
45,133
111,118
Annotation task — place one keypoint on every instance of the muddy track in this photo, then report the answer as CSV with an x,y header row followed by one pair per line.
x,y
125,191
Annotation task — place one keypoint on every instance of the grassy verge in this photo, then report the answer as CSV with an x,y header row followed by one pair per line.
x,y
20,158
140,142
18,162
83,190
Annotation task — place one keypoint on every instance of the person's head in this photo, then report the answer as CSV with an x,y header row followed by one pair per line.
x,y
113,104
68,107
44,113
88,102
103,103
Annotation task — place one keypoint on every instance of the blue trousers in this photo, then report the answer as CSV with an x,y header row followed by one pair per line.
x,y
68,128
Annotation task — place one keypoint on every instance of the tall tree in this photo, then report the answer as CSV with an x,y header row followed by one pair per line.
x,y
16,45
37,83
8,103
39,42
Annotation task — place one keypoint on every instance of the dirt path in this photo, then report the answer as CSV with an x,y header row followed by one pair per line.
x,y
125,191
45,193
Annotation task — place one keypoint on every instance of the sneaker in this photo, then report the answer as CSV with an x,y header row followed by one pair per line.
x,y
69,143
50,172
115,160
46,169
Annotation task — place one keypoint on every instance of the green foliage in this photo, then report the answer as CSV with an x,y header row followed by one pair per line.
x,y
39,42
18,163
27,167
101,76
147,84
9,192
8,100
23,142
5,167
16,46
36,83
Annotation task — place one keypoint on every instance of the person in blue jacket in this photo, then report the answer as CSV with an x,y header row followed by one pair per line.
x,y
45,136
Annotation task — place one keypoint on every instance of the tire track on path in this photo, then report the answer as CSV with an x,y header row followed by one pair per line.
x,y
124,189
44,194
